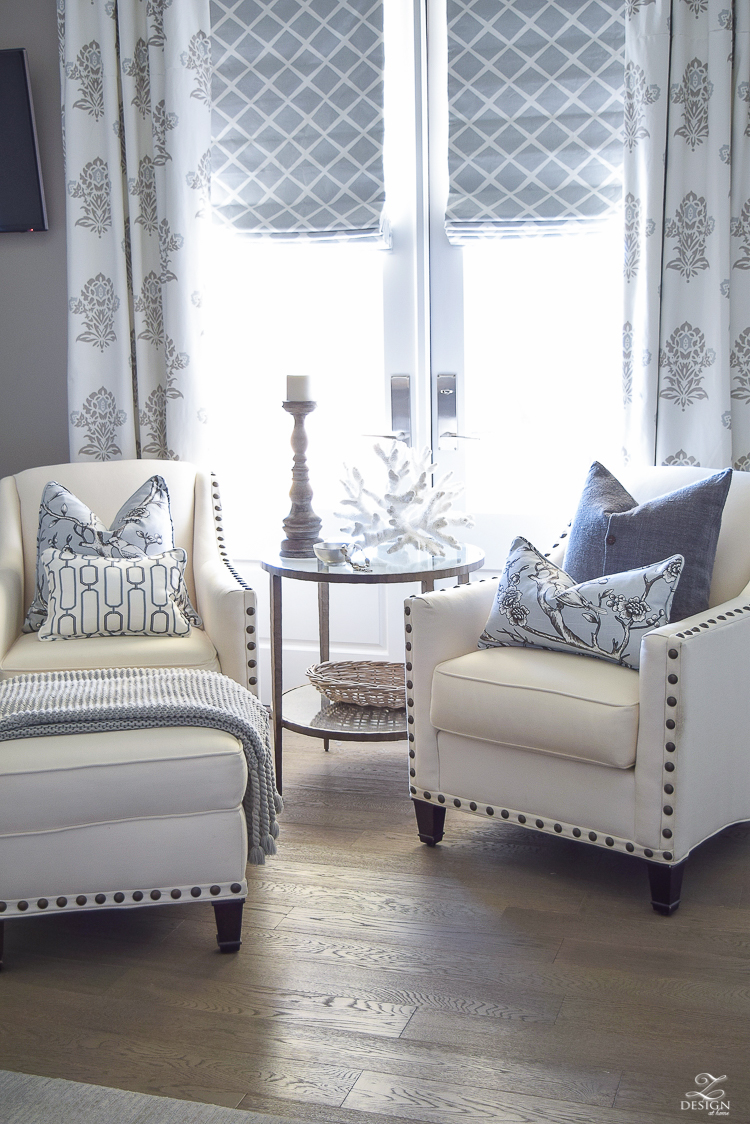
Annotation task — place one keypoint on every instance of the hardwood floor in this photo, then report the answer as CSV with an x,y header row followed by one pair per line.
x,y
503,976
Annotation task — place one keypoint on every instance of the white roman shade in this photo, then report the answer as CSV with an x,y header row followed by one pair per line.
x,y
536,111
297,93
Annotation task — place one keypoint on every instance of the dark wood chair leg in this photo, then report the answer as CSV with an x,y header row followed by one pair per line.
x,y
430,821
666,885
229,925
2,937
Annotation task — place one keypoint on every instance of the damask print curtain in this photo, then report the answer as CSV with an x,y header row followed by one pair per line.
x,y
535,102
686,373
137,126
298,119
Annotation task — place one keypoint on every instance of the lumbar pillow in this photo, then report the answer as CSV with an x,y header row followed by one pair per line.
x,y
612,532
90,596
538,605
141,528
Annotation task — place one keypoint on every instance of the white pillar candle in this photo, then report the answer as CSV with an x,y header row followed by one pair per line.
x,y
298,388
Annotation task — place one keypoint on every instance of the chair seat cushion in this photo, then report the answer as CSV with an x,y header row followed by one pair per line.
x,y
64,781
29,654
547,702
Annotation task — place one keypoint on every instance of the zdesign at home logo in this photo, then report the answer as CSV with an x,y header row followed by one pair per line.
x,y
707,1097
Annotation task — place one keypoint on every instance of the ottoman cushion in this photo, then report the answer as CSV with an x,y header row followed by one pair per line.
x,y
57,782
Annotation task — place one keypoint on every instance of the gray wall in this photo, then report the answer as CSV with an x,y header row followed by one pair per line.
x,y
33,298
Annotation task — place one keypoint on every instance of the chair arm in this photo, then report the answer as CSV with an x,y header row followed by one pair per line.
x,y
228,608
439,626
11,607
226,603
11,565
694,732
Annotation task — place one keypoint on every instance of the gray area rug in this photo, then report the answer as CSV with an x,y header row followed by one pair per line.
x,y
25,1099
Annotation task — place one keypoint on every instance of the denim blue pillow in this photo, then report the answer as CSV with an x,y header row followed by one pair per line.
x,y
538,605
612,533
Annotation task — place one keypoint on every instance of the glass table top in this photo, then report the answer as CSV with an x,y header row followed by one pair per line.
x,y
403,567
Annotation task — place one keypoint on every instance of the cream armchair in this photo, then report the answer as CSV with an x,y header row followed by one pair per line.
x,y
226,604
650,763
135,817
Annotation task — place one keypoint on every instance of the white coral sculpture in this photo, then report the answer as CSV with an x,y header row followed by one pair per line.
x,y
412,511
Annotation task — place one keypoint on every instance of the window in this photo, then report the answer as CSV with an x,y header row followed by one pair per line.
x,y
531,326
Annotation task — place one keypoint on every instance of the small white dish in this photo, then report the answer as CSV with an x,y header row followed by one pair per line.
x,y
330,552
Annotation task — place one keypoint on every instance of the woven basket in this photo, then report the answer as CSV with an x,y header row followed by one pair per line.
x,y
362,683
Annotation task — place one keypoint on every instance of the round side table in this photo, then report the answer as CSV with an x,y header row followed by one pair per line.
x,y
304,709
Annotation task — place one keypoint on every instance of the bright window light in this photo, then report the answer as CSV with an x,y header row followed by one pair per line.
x,y
543,337
290,309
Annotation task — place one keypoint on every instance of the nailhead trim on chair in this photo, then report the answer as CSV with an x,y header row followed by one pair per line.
x,y
558,828
671,704
216,496
670,746
91,901
251,680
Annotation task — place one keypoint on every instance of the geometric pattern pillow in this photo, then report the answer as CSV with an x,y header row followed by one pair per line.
x,y
90,596
142,527
612,532
538,605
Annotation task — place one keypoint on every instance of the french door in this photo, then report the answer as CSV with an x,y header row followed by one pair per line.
x,y
518,341
509,349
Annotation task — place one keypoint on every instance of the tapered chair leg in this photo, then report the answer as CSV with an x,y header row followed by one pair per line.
x,y
666,886
430,821
229,925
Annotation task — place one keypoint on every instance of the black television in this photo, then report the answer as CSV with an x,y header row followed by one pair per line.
x,y
21,191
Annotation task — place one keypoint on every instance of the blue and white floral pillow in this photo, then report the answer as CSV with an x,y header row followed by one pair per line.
x,y
141,528
538,605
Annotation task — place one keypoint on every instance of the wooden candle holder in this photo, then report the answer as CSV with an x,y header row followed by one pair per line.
x,y
302,525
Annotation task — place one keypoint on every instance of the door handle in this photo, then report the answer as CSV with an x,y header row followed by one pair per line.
x,y
401,407
446,412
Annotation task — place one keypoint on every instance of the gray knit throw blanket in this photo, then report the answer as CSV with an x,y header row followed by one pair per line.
x,y
84,702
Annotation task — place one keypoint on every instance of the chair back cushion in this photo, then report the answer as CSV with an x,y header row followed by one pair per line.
x,y
732,565
104,486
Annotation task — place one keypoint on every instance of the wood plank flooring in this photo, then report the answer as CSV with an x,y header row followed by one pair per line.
x,y
504,976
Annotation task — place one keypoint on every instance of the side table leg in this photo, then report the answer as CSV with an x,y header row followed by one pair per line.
x,y
463,579
277,655
324,631
428,585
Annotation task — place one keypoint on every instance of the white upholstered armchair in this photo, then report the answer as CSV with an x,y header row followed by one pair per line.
x,y
648,762
131,817
226,604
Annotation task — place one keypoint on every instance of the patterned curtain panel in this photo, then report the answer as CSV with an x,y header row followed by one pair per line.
x,y
686,376
136,113
298,118
535,115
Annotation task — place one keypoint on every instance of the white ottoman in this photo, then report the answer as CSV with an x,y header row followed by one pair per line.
x,y
124,819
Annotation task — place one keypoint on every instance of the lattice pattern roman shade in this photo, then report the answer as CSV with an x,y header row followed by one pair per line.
x,y
536,110
297,91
